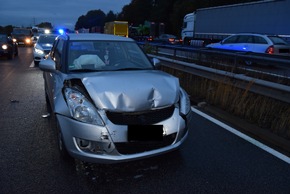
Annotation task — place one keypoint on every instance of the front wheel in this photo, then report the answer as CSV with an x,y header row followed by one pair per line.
x,y
36,63
10,55
61,146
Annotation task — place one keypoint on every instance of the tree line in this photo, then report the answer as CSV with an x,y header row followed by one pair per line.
x,y
169,12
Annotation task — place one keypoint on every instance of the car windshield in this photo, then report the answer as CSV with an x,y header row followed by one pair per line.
x,y
22,31
278,41
46,39
105,56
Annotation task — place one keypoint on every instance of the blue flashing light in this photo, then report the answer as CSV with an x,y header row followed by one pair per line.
x,y
61,31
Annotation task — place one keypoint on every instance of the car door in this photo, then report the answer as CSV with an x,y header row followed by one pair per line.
x,y
228,43
243,43
51,78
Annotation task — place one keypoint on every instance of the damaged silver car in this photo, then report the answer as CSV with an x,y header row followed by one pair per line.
x,y
110,103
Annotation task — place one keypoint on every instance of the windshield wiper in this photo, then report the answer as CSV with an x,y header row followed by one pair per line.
x,y
131,68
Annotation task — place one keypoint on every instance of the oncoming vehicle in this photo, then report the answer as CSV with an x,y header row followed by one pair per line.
x,y
109,102
43,46
22,36
257,43
8,48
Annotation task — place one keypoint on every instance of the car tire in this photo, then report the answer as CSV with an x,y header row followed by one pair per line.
x,y
16,51
48,105
64,155
10,55
36,63
61,146
248,63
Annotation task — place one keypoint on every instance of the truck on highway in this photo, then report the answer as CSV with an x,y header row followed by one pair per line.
x,y
119,28
208,25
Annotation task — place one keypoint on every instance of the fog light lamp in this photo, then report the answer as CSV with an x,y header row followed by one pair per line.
x,y
90,146
83,144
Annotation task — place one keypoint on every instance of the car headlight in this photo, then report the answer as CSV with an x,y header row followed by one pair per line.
x,y
81,108
39,51
28,40
184,102
4,47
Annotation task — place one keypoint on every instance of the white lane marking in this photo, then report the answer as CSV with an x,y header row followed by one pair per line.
x,y
243,136
32,64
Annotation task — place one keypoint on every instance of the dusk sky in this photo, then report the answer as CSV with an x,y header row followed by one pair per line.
x,y
60,13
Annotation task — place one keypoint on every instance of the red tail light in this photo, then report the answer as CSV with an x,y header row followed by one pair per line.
x,y
270,50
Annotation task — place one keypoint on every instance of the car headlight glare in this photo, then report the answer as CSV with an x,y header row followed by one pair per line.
x,y
81,108
4,46
39,51
184,102
28,41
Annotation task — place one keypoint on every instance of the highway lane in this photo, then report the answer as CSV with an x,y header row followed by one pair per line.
x,y
212,160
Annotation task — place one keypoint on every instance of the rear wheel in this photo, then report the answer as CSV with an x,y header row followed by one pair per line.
x,y
249,63
186,41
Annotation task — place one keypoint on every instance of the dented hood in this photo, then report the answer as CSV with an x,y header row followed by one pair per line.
x,y
132,90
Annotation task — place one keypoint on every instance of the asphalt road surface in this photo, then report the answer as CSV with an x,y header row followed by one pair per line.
x,y
212,160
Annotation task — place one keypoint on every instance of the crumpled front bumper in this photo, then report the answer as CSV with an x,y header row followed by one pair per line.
x,y
103,144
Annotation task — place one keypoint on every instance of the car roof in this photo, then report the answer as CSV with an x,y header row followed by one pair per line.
x,y
48,34
97,36
255,34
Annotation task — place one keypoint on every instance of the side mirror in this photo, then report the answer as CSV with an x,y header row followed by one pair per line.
x,y
156,63
47,65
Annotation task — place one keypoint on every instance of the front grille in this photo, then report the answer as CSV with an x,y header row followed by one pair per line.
x,y
140,118
143,146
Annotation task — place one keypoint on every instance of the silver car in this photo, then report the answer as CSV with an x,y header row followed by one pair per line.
x,y
258,43
42,47
109,102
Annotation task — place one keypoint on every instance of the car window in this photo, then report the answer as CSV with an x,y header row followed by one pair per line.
x,y
230,40
57,53
46,39
106,55
259,40
277,40
244,39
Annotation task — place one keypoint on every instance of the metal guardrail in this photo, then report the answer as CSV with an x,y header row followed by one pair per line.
x,y
258,86
261,87
180,51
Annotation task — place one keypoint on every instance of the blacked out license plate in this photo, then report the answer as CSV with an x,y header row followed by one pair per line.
x,y
145,133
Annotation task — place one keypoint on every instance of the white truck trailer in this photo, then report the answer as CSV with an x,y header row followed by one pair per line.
x,y
213,24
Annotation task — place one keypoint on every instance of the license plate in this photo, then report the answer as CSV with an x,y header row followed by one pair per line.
x,y
145,133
